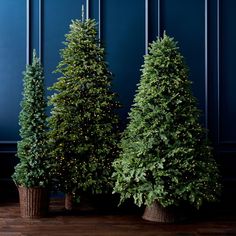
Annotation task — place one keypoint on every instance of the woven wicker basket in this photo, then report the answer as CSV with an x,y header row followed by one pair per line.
x,y
34,202
158,213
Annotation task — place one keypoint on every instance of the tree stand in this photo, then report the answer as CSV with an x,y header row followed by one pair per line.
x,y
157,213
69,201
34,202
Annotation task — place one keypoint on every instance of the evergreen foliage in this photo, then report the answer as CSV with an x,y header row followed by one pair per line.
x,y
165,155
84,126
32,149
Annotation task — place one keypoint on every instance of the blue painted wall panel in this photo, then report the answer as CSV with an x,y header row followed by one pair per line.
x,y
186,23
94,9
123,34
153,19
212,71
12,63
228,76
57,16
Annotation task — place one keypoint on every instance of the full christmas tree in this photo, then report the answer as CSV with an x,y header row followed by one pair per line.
x,y
83,123
165,155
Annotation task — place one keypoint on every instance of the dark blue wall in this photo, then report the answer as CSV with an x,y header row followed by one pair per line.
x,y
12,61
123,28
204,29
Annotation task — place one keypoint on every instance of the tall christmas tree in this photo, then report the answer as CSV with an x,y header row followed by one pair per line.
x,y
165,156
83,122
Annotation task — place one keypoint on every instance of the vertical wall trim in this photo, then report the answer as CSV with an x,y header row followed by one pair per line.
x,y
40,29
146,27
159,18
99,20
206,64
27,32
87,9
218,70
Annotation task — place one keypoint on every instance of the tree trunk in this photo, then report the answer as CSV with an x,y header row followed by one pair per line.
x,y
157,213
69,201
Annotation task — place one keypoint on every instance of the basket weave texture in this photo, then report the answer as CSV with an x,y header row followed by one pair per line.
x,y
157,213
34,202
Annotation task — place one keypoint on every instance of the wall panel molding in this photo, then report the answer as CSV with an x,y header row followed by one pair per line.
x,y
34,38
28,38
218,71
206,64
99,19
40,33
146,26
158,18
148,5
87,9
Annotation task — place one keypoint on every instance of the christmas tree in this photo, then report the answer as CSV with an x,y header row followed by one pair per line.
x,y
32,150
83,123
165,155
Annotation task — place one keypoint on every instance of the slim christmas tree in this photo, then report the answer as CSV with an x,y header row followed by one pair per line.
x,y
165,156
84,126
32,150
